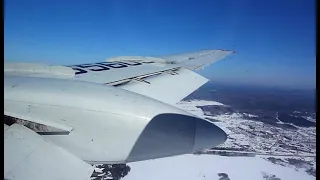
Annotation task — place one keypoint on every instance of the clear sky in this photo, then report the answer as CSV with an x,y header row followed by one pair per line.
x,y
274,40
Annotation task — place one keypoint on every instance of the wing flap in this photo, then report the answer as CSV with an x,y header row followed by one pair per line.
x,y
168,87
29,156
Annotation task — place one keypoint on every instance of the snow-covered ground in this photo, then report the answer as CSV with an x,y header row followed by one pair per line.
x,y
309,118
240,134
208,167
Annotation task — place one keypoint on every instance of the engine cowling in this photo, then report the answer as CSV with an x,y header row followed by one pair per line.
x,y
107,124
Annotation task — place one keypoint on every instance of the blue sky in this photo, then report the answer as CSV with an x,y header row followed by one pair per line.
x,y
274,40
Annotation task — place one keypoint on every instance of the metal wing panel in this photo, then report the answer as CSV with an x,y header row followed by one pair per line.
x,y
27,156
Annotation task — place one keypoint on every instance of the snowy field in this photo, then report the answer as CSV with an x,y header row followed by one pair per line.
x,y
209,167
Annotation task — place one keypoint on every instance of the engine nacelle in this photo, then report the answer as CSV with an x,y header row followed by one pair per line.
x,y
107,124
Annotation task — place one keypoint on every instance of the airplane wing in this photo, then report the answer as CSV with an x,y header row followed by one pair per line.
x,y
117,111
167,78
